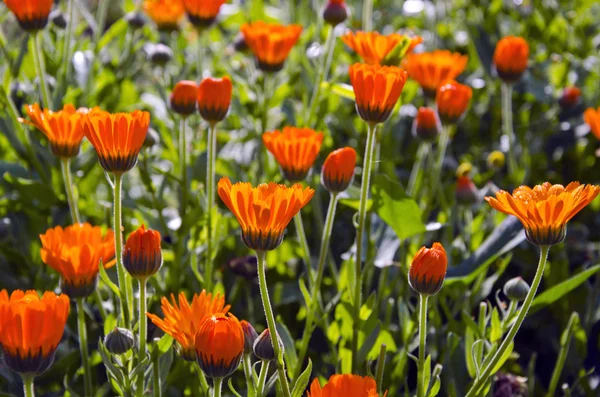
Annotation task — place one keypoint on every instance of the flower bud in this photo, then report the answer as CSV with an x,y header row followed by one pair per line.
x,y
214,98
119,341
263,346
219,345
570,98
338,170
452,100
250,336
135,20
496,160
58,18
152,138
239,43
510,58
245,266
426,125
428,270
159,54
466,192
335,12
516,289
183,97
142,256
464,169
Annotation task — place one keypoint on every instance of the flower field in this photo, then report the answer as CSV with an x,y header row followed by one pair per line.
x,y
321,198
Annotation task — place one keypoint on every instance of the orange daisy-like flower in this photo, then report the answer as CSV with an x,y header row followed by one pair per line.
x,y
263,211
142,256
75,252
219,345
431,69
374,48
545,210
338,169
510,58
426,124
183,97
346,385
117,137
64,129
376,90
452,100
592,117
335,12
271,43
428,270
295,149
31,329
202,13
166,14
182,319
214,98
31,14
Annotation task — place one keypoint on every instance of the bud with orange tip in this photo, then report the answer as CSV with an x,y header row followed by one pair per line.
x,y
338,170
466,192
452,100
510,58
219,345
214,98
31,14
570,98
142,256
428,270
426,125
202,13
183,97
335,12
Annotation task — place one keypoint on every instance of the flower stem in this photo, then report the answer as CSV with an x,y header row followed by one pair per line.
x,y
28,389
442,148
38,59
362,215
183,165
83,347
321,75
565,341
66,50
210,197
156,386
122,276
66,171
264,113
367,15
264,294
262,377
304,244
142,339
247,364
416,170
203,382
316,288
421,386
507,126
487,371
217,383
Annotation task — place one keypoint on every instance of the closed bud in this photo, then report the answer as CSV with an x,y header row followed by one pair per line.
x,y
464,169
244,266
135,20
263,346
183,97
516,289
428,270
335,12
452,100
338,170
239,43
570,98
152,138
119,341
426,125
219,345
250,336
466,192
510,58
214,98
58,19
159,54
142,256
496,160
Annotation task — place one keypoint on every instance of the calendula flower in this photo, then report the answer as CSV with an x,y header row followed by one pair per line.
x,y
335,12
263,211
76,252
431,69
452,100
214,98
182,319
428,270
31,14
426,124
166,14
64,129
545,210
202,13
31,329
570,98
510,58
338,170
142,256
346,385
271,43
376,90
592,117
374,47
295,149
183,97
117,137
219,345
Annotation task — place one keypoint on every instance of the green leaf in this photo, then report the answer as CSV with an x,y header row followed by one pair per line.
x,y
288,343
355,203
558,291
368,344
305,292
496,328
230,384
110,322
164,343
427,372
504,357
469,341
302,381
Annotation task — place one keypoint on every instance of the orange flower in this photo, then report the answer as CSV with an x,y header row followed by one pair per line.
x,y
428,270
373,47
545,210
219,345
117,137
31,14
214,98
183,97
346,385
295,149
510,58
264,211
182,320
431,69
335,12
426,124
271,43
452,100
166,14
338,169
466,192
202,13
570,97
592,117
142,256
31,329
64,129
75,252
376,89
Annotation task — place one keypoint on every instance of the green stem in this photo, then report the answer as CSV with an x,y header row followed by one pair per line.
x,y
442,148
316,288
380,369
142,339
183,165
264,294
66,172
122,276
416,170
247,364
210,197
218,382
203,382
38,59
304,244
156,386
321,75
367,15
507,126
262,377
200,57
98,299
362,215
262,157
66,50
83,347
421,387
565,341
28,389
487,371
